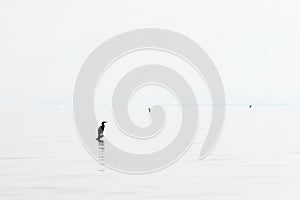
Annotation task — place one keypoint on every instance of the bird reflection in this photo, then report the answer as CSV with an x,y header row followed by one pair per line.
x,y
101,149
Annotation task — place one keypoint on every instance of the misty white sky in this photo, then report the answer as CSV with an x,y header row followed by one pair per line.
x,y
254,44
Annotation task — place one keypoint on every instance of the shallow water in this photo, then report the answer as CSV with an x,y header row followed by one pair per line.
x,y
258,156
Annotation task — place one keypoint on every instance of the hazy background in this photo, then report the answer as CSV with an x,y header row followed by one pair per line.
x,y
254,44
255,47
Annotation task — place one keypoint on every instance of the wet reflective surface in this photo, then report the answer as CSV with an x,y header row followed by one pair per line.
x,y
258,156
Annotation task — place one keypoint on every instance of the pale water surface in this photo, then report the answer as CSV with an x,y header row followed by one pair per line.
x,y
258,157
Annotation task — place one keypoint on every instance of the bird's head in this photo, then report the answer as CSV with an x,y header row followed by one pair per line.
x,y
104,122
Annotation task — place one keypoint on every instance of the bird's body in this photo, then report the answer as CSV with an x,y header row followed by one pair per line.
x,y
101,130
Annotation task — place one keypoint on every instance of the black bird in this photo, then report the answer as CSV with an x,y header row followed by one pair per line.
x,y
101,130
250,106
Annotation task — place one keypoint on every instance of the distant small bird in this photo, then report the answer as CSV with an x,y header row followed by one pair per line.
x,y
149,109
250,106
101,130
